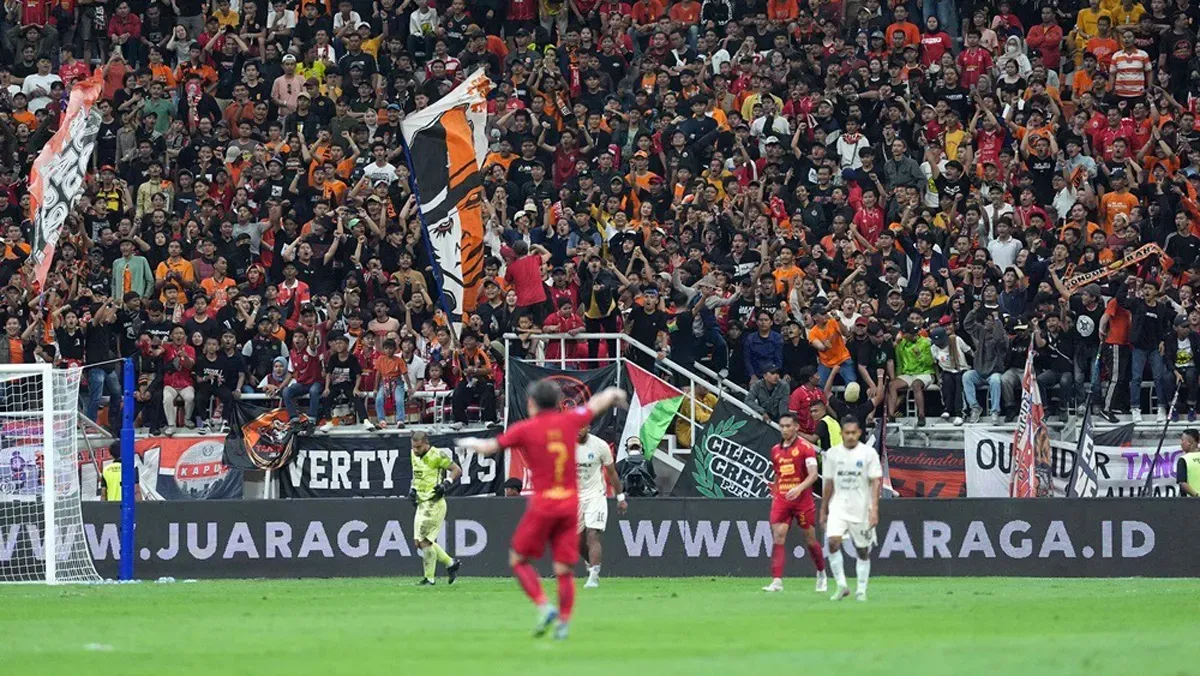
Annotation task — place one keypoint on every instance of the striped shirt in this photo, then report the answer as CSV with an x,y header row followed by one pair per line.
x,y
1128,69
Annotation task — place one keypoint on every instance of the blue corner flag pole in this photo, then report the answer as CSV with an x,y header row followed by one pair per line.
x,y
128,470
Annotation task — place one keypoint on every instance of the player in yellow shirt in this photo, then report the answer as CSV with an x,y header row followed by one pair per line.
x,y
434,472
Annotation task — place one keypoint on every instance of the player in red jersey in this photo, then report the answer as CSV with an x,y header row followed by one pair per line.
x,y
547,440
795,462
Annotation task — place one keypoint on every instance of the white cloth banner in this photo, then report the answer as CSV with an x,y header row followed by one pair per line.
x,y
1121,470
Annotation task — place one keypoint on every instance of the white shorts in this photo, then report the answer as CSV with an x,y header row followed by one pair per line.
x,y
593,513
926,380
838,526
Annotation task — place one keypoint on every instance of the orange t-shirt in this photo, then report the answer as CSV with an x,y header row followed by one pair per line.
x,y
1112,204
830,333
390,367
786,278
1118,324
16,351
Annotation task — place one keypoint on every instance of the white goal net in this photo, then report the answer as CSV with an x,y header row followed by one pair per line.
x,y
42,537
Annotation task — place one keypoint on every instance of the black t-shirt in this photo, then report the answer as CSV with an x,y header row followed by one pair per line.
x,y
106,143
343,372
129,326
70,345
161,330
1087,324
210,371
100,343
647,325
874,357
209,328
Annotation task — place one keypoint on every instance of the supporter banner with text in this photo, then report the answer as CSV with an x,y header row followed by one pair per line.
x,y
447,143
378,466
1122,470
173,468
56,180
658,537
927,472
730,458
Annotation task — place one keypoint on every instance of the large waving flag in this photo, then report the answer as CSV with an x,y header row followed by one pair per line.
x,y
1031,441
56,181
651,409
447,144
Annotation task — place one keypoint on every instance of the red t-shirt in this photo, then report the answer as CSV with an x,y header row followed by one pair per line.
x,y
547,444
869,222
791,468
525,276
972,63
799,402
73,73
306,366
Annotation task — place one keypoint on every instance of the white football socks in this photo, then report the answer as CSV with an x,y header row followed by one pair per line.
x,y
863,570
835,564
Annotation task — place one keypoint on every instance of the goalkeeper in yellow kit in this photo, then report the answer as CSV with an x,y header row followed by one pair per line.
x,y
434,472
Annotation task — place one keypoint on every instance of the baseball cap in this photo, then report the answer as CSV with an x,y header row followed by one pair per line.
x,y
289,58
1181,320
939,336
1093,290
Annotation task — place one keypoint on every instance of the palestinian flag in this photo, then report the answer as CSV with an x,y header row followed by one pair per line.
x,y
652,407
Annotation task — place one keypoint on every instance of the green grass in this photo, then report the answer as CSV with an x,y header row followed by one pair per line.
x,y
626,627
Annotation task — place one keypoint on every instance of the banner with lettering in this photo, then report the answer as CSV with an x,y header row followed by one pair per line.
x,y
1121,470
927,472
171,468
378,465
56,179
730,458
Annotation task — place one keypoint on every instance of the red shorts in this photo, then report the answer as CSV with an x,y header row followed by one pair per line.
x,y
802,511
553,524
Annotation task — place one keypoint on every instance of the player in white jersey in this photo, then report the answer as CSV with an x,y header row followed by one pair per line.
x,y
594,461
850,504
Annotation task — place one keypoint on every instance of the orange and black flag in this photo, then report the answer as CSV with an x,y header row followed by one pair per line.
x,y
259,438
447,146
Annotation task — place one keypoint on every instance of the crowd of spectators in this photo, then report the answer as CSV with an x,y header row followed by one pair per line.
x,y
797,193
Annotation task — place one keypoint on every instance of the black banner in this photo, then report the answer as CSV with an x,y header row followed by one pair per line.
x,y
378,466
259,438
658,537
577,387
730,457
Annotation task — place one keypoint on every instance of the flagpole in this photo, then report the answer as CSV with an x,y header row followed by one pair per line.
x,y
1084,426
425,238
1148,488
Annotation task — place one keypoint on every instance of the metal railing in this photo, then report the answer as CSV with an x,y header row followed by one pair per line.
x,y
706,379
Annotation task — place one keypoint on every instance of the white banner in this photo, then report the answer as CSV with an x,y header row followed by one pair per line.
x,y
1121,470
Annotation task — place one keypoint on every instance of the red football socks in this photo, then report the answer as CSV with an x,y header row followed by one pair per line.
x,y
566,595
818,556
778,554
527,577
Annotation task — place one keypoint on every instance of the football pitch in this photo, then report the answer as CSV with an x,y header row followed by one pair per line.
x,y
628,626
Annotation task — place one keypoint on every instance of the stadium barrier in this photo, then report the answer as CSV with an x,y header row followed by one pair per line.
x,y
657,537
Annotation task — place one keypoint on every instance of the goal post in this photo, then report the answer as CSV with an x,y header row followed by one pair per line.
x,y
42,534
